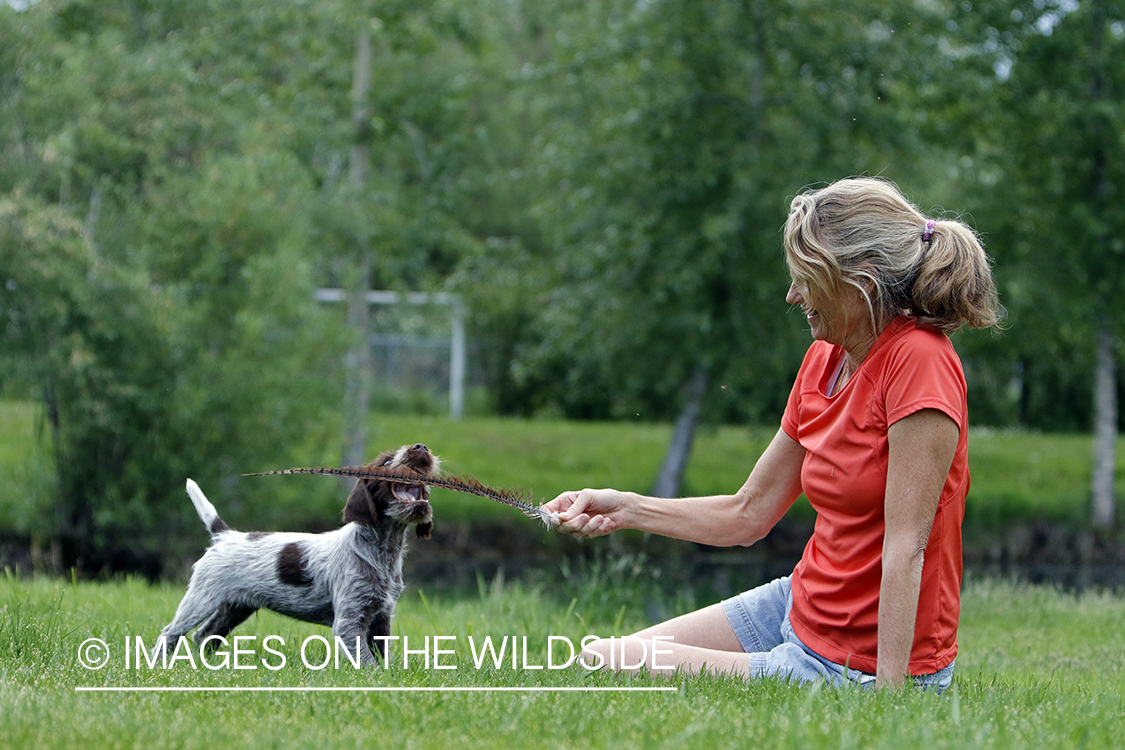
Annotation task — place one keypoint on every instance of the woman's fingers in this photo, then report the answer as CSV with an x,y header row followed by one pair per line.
x,y
570,504
585,527
579,514
561,503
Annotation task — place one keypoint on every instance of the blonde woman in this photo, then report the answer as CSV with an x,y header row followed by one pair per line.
x,y
874,434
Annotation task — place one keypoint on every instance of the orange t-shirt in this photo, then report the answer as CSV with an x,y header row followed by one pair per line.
x,y
836,584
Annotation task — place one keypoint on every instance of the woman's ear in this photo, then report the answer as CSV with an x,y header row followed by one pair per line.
x,y
864,277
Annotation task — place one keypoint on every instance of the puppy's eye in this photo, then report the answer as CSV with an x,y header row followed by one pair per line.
x,y
387,463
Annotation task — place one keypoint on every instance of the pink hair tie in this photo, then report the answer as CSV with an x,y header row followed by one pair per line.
x,y
929,233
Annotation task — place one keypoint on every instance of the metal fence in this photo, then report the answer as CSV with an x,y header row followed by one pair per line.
x,y
407,351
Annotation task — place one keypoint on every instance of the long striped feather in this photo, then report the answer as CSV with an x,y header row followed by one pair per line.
x,y
467,485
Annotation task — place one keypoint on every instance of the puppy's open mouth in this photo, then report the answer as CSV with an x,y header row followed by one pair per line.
x,y
410,493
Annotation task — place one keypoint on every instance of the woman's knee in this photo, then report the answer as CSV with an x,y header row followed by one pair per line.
x,y
629,653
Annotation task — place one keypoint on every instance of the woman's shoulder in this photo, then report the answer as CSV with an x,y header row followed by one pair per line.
x,y
907,335
921,369
919,351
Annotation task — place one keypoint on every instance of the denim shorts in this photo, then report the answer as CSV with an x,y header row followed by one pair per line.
x,y
760,618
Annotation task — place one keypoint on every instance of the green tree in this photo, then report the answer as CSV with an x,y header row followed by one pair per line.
x,y
196,155
86,334
678,132
1061,152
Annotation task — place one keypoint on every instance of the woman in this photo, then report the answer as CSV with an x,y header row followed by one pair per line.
x,y
874,434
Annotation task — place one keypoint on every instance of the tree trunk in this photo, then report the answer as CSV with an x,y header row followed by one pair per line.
x,y
1105,426
1105,367
679,450
357,387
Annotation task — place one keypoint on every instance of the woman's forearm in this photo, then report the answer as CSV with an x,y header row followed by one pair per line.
x,y
727,520
898,610
717,520
921,451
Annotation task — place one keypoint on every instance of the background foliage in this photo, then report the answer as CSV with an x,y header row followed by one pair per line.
x,y
603,181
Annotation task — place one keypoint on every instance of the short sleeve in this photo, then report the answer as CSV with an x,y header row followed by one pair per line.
x,y
792,410
924,372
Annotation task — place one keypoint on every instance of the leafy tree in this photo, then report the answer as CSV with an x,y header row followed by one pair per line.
x,y
1061,155
83,331
678,132
178,333
192,156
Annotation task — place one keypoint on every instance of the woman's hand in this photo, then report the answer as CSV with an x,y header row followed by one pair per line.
x,y
591,513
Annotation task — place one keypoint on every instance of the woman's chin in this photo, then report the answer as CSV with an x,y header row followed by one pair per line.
x,y
816,327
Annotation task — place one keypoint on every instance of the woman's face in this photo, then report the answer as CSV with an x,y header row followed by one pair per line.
x,y
844,321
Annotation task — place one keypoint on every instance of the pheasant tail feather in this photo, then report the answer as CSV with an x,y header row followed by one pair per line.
x,y
466,485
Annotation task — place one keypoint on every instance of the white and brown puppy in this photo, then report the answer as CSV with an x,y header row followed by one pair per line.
x,y
349,578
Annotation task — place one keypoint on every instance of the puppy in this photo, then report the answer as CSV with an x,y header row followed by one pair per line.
x,y
349,579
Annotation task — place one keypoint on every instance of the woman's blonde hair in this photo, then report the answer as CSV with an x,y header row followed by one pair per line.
x,y
863,233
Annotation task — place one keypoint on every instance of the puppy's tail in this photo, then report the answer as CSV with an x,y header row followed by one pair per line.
x,y
205,509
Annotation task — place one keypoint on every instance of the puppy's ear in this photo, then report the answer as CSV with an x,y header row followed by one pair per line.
x,y
360,507
423,529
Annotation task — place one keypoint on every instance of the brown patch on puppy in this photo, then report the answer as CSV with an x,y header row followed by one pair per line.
x,y
291,566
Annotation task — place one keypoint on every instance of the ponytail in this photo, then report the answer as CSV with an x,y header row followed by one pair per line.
x,y
954,284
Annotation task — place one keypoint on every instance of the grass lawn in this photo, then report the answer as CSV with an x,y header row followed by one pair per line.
x,y
1017,477
1037,668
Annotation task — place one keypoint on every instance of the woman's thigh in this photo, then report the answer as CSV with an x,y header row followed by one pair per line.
x,y
757,616
706,628
748,622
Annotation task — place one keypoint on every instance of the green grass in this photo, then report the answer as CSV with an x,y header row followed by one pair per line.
x,y
1017,477
1037,668
1022,476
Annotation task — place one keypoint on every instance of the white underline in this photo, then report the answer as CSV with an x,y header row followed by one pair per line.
x,y
393,689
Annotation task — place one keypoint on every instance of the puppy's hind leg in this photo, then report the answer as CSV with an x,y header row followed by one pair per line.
x,y
194,608
225,619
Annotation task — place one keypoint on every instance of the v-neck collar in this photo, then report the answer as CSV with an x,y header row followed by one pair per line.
x,y
835,366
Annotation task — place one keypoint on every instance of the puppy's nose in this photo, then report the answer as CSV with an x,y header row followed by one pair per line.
x,y
420,447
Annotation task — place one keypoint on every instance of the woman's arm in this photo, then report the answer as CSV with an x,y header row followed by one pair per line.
x,y
921,451
719,520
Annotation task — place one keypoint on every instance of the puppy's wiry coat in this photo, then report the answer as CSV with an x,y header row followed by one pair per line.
x,y
349,579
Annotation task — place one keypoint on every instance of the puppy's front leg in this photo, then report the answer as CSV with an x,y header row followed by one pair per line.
x,y
378,633
350,627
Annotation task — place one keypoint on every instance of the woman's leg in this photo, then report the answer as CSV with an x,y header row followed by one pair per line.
x,y
706,628
692,643
717,639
